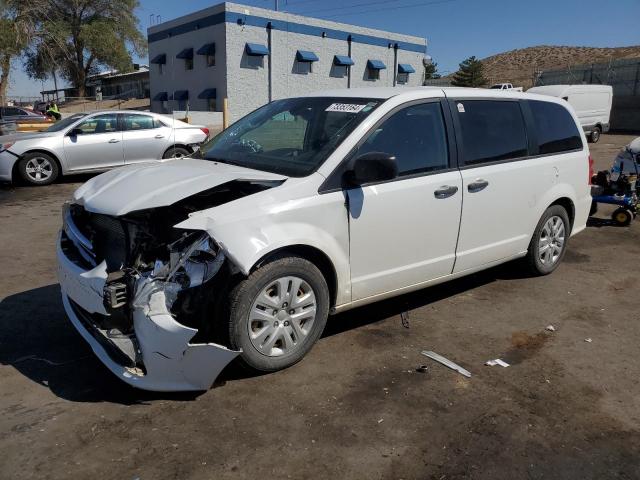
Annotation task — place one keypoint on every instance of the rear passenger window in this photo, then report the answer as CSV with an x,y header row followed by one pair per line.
x,y
491,131
556,129
416,136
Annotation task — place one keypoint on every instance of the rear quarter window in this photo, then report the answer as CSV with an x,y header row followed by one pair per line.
x,y
492,130
555,128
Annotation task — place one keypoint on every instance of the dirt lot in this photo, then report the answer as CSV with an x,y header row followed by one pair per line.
x,y
355,407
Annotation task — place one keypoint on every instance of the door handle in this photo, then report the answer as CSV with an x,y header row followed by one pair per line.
x,y
114,140
159,136
445,191
477,185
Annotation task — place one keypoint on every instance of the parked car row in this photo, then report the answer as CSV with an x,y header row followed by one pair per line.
x,y
305,207
95,142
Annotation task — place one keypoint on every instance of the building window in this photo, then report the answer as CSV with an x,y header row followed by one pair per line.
x,y
374,74
160,68
188,63
211,104
211,60
304,68
403,78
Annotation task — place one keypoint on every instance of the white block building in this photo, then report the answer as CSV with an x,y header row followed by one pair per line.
x,y
252,56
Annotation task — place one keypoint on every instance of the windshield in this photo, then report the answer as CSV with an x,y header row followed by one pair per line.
x,y
291,137
62,124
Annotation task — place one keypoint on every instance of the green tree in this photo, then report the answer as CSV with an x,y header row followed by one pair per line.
x,y
431,71
471,74
16,28
82,36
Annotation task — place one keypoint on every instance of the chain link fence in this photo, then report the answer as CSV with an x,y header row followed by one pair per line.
x,y
623,75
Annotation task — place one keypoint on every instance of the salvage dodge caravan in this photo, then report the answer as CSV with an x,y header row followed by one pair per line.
x,y
310,206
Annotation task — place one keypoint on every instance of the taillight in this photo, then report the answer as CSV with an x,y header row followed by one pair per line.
x,y
205,130
590,169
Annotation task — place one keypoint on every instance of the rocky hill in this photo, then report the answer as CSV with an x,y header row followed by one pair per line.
x,y
518,66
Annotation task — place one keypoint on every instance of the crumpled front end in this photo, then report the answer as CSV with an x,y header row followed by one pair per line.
x,y
143,295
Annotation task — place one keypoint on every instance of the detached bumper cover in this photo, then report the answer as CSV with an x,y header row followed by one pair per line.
x,y
171,363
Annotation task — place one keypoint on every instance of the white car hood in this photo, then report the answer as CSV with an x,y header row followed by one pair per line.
x,y
139,187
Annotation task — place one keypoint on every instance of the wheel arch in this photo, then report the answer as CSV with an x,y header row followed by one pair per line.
x,y
569,206
313,255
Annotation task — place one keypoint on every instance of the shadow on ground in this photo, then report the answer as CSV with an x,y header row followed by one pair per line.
x,y
39,342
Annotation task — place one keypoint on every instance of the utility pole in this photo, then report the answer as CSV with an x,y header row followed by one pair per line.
x,y
276,5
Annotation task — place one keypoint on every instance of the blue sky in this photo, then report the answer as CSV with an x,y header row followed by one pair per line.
x,y
455,29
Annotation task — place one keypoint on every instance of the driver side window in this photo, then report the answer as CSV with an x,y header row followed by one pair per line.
x,y
415,135
106,123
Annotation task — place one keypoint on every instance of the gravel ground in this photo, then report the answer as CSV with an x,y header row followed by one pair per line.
x,y
355,407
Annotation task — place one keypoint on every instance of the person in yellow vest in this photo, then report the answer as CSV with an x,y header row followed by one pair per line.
x,y
53,111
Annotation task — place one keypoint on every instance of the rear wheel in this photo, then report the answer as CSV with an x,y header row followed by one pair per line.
x,y
549,241
38,168
176,152
595,134
278,313
622,216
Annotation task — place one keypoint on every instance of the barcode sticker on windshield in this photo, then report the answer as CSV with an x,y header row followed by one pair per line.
x,y
345,107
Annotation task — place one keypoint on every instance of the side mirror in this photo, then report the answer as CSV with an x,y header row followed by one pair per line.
x,y
75,131
372,167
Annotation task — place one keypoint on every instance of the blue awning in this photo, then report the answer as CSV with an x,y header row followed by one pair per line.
x,y
207,49
405,68
306,56
161,97
376,65
181,95
343,61
160,59
256,50
207,93
186,53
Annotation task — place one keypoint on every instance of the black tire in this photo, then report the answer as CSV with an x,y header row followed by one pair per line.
x,y
595,134
622,216
241,300
176,152
594,208
37,168
533,261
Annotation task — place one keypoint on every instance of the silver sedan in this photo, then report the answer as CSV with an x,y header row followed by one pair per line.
x,y
95,142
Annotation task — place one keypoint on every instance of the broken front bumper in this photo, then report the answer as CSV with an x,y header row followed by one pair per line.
x,y
170,362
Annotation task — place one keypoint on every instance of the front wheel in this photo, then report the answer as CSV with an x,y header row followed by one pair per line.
x,y
595,135
549,241
278,313
38,168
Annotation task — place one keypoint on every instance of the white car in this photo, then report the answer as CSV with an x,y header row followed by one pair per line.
x,y
505,86
310,206
95,142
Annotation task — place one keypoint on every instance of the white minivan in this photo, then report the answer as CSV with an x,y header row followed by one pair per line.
x,y
311,206
591,103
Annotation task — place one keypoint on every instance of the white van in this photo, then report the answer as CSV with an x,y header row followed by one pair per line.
x,y
592,104
310,206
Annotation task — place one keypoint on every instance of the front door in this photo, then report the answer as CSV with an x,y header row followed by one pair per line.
x,y
403,232
96,144
144,138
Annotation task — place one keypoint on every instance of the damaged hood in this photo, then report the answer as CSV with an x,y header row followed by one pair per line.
x,y
152,185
